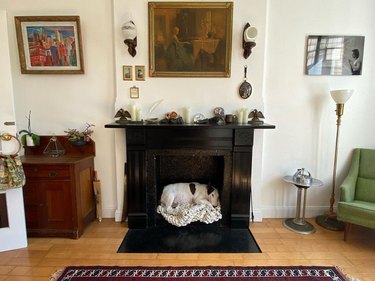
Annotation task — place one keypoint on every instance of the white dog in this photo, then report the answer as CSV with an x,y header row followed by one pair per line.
x,y
192,193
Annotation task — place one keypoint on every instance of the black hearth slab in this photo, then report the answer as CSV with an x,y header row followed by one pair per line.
x,y
190,239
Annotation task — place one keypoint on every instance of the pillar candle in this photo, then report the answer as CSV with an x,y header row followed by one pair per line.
x,y
240,116
139,114
245,114
187,115
134,112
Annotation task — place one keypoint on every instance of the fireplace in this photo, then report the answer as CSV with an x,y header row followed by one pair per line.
x,y
160,154
188,165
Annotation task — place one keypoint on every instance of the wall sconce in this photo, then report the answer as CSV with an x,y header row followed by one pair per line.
x,y
328,220
248,41
129,31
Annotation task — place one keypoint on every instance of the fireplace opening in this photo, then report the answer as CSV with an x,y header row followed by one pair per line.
x,y
191,166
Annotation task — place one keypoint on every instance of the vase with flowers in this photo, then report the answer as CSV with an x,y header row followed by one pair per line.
x,y
80,138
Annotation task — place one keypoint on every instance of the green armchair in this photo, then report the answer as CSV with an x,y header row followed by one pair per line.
x,y
357,199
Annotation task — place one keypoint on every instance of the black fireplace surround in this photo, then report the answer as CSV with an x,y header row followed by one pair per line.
x,y
160,154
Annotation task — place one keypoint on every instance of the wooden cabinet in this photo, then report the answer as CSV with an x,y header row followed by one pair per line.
x,y
58,195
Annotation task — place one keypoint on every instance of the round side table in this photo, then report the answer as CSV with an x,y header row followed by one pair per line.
x,y
298,224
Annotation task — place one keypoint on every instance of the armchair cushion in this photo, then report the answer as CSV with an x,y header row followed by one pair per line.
x,y
357,212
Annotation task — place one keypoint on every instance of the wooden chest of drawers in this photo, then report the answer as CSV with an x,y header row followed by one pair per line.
x,y
58,195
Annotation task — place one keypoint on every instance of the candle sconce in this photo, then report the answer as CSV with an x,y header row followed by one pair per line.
x,y
248,40
129,31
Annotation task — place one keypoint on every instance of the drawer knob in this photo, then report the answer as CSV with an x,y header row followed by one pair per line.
x,y
52,174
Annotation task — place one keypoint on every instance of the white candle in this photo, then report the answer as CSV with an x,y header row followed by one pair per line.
x,y
187,115
134,112
240,116
245,114
139,115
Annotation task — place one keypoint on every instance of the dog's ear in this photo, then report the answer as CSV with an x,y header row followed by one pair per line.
x,y
210,188
192,188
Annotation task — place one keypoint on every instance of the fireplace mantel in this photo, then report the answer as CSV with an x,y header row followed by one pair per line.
x,y
146,143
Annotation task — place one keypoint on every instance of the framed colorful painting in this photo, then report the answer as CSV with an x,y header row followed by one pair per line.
x,y
49,44
190,39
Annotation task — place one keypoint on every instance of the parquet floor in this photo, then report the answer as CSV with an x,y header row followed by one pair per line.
x,y
280,246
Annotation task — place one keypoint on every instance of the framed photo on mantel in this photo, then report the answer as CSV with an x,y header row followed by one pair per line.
x,y
190,39
49,44
334,55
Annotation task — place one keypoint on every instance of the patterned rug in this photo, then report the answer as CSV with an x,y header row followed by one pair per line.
x,y
274,273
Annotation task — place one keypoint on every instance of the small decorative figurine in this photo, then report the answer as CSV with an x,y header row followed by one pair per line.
x,y
172,118
124,115
255,115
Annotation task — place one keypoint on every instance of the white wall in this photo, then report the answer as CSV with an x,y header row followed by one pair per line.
x,y
297,104
301,106
201,94
59,102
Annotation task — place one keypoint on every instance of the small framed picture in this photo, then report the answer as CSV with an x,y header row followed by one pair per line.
x,y
134,92
140,72
127,72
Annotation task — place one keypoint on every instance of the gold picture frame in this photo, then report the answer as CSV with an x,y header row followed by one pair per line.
x,y
139,72
134,92
190,39
49,44
127,72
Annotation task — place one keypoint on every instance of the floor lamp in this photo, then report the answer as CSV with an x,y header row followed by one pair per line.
x,y
328,220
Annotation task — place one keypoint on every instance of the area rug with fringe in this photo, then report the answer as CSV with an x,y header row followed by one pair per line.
x,y
274,273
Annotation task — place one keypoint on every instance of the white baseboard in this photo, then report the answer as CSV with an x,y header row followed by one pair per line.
x,y
290,212
108,213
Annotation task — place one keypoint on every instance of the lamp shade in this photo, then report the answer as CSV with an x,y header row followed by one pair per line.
x,y
341,96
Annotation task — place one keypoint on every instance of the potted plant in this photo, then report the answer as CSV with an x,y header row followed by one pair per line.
x,y
29,138
79,138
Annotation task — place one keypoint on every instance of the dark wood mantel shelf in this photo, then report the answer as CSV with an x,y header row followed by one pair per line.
x,y
159,154
228,126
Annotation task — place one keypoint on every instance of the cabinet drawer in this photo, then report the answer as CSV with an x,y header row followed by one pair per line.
x,y
46,171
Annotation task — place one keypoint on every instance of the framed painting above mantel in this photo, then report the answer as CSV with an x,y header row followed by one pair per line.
x,y
190,39
49,44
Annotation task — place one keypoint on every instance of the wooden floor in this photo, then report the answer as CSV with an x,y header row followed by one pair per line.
x,y
99,244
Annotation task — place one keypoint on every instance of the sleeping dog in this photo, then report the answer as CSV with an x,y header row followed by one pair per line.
x,y
192,193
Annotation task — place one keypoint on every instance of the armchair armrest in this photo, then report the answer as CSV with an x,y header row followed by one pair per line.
x,y
347,188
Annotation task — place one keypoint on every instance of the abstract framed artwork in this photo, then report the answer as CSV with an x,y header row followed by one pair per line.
x,y
334,55
49,44
190,39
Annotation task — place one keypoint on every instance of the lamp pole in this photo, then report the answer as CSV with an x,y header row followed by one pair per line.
x,y
339,113
328,220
